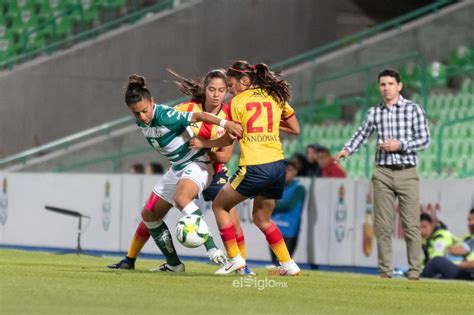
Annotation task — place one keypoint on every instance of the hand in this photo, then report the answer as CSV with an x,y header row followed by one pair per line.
x,y
342,155
196,143
390,145
234,129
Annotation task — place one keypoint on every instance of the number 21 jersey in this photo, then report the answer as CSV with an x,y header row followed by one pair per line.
x,y
260,116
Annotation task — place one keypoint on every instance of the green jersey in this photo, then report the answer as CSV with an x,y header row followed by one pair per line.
x,y
169,133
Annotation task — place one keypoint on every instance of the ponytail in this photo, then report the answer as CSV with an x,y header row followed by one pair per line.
x,y
197,88
189,87
261,76
136,90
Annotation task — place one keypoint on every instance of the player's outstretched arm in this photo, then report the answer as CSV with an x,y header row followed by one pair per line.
x,y
221,155
290,126
231,127
199,143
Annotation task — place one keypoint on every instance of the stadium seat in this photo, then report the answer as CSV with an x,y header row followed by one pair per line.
x,y
7,49
461,57
436,74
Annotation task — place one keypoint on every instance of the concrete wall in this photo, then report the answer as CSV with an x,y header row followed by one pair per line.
x,y
80,88
433,36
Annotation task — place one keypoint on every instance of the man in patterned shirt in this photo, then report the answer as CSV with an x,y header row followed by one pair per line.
x,y
402,130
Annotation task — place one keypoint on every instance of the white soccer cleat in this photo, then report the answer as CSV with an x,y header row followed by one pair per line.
x,y
217,256
233,264
167,268
245,272
289,269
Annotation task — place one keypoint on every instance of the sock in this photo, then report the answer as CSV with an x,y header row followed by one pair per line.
x,y
192,208
228,238
277,244
239,237
162,236
139,240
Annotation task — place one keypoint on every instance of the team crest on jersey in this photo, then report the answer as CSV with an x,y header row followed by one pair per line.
x,y
152,132
222,181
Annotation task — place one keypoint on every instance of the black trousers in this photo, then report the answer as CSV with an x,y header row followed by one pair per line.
x,y
441,267
291,243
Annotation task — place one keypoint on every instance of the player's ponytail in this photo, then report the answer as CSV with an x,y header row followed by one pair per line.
x,y
261,76
197,88
270,82
136,90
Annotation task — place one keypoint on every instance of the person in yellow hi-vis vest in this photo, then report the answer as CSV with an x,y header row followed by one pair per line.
x,y
449,267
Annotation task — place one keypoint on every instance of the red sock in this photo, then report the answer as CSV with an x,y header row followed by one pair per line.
x,y
139,240
276,242
241,243
228,238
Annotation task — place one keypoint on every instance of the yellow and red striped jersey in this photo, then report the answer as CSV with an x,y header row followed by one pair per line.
x,y
260,116
205,130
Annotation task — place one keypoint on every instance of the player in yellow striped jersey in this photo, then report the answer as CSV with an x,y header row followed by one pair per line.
x,y
260,106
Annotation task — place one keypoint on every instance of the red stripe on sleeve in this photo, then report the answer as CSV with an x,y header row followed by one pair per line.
x,y
286,118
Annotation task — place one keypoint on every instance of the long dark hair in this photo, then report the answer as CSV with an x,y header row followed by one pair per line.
x,y
261,76
136,90
197,88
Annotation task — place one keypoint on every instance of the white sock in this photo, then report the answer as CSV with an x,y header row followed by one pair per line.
x,y
153,224
190,208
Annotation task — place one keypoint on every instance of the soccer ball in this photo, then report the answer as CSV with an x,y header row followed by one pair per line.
x,y
192,231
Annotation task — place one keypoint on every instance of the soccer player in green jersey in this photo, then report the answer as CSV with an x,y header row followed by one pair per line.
x,y
190,172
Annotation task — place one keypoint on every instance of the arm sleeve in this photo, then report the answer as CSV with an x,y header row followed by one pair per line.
x,y
172,119
421,133
361,135
287,112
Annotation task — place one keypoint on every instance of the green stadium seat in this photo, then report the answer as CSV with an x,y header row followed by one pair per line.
x,y
461,57
467,86
7,49
411,74
90,12
436,74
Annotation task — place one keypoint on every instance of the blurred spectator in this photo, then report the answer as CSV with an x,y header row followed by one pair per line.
x,y
436,239
287,213
301,163
153,168
442,267
329,167
137,168
312,157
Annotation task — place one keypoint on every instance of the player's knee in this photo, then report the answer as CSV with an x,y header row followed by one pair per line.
x,y
181,201
146,214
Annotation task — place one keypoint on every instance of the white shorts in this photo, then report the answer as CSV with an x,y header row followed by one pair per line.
x,y
199,172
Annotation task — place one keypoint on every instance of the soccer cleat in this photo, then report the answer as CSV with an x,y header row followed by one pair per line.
x,y
125,263
167,268
217,256
289,269
233,264
245,271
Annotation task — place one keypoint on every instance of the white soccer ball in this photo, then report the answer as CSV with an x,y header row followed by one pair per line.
x,y
192,231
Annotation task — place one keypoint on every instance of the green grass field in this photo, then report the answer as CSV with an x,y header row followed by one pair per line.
x,y
37,283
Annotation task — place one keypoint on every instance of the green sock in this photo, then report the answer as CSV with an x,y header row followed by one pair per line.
x,y
162,237
209,244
